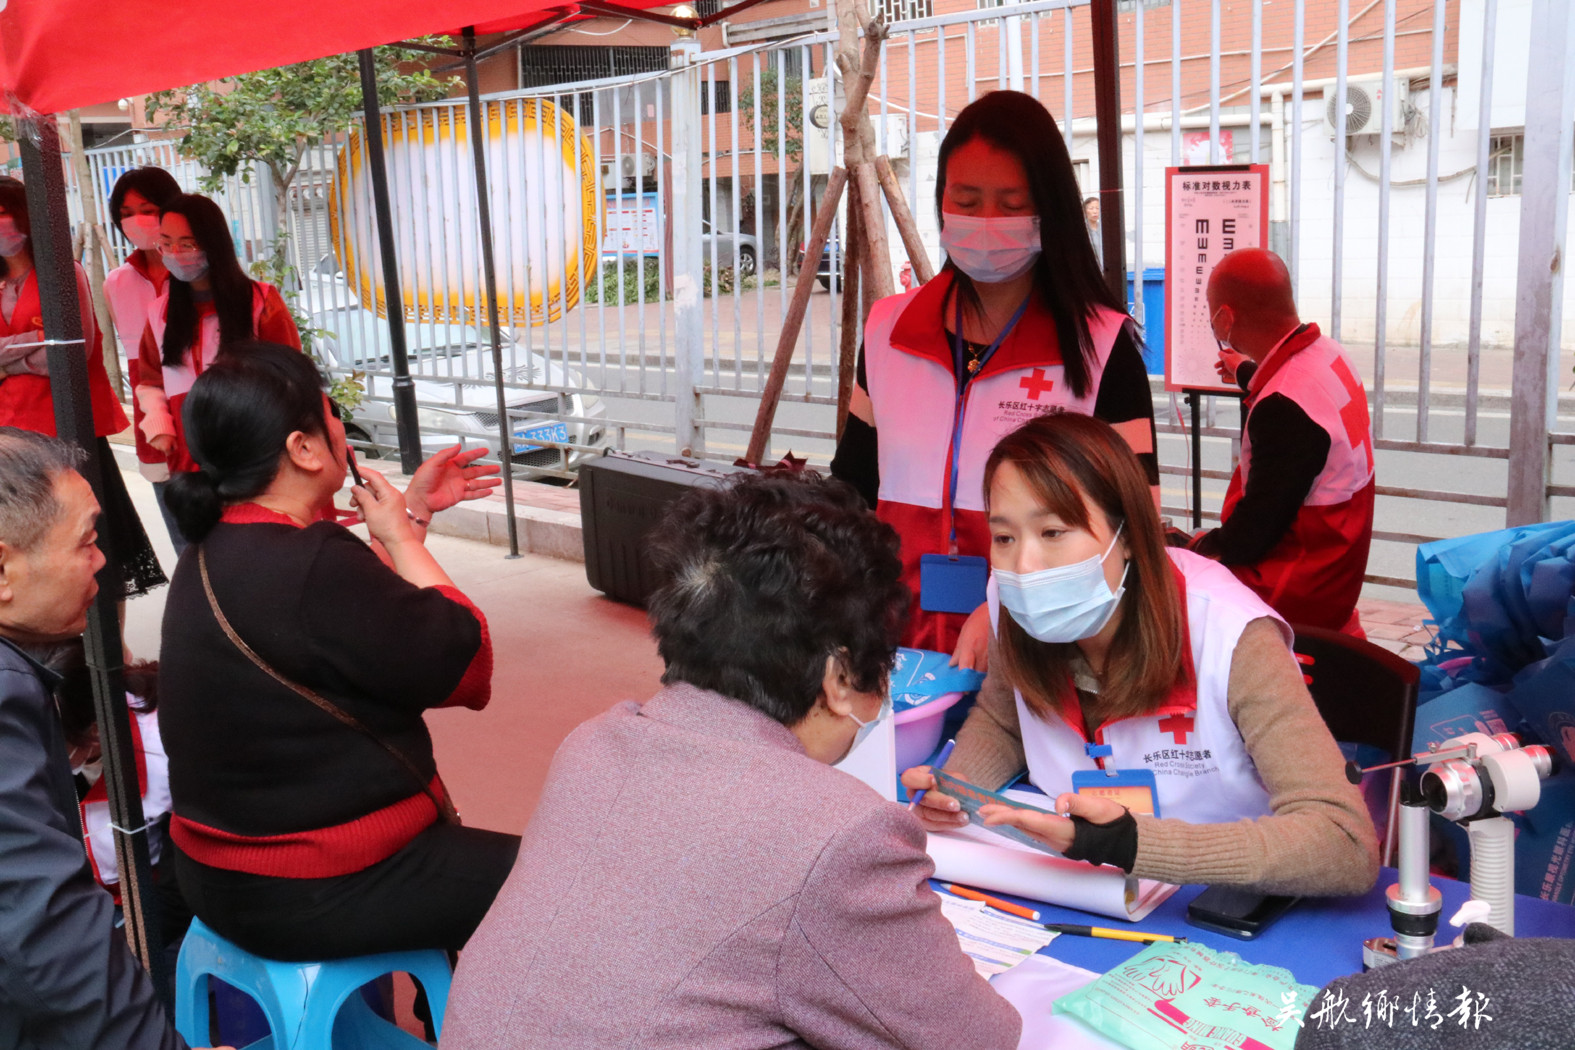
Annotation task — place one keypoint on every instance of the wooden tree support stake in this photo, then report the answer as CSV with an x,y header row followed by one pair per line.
x,y
854,262
922,270
761,436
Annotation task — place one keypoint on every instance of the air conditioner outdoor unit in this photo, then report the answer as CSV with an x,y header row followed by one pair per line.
x,y
629,166
1364,102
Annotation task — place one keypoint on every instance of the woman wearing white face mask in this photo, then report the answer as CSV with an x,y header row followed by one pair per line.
x,y
1118,662
27,398
207,304
131,287
1019,322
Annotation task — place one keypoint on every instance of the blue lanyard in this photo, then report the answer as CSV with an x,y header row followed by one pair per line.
x,y
963,375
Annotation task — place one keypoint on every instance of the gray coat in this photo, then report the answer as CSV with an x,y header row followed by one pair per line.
x,y
67,979
691,878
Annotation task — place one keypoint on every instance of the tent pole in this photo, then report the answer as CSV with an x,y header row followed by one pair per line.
x,y
478,143
68,381
393,292
1107,116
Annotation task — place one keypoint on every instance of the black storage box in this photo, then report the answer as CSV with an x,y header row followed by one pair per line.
x,y
623,496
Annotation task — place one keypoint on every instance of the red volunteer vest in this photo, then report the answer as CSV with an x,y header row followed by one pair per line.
x,y
909,372
26,400
1314,574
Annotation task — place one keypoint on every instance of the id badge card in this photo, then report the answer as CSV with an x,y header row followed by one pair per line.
x,y
1132,788
952,583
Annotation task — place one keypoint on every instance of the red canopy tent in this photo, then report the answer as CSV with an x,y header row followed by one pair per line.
x,y
57,55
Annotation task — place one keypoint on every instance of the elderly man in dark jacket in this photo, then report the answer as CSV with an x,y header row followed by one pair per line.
x,y
67,979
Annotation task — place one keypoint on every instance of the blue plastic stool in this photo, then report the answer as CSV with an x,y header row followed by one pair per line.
x,y
308,1005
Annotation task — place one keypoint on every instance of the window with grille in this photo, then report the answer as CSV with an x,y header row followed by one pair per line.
x,y
1506,159
1127,5
707,8
723,93
902,10
542,65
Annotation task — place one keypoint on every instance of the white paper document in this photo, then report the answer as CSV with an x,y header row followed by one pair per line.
x,y
1033,989
980,858
994,941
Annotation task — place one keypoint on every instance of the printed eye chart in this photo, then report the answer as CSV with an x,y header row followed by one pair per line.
x,y
1209,211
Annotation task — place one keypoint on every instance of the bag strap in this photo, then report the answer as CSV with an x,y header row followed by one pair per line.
x,y
444,806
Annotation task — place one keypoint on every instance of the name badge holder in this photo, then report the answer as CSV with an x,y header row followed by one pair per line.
x,y
952,582
1135,789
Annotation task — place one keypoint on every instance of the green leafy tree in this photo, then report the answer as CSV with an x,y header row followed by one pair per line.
x,y
763,121
793,107
271,119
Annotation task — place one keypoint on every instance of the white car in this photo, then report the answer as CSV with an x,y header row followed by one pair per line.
x,y
451,366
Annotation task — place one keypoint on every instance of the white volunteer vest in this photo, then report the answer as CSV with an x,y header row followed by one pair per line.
x,y
129,295
97,828
914,399
1200,765
179,378
1322,381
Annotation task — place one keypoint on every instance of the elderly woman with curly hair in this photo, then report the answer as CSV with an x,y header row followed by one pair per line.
x,y
696,874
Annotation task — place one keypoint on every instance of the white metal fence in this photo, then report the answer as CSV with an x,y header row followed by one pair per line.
x,y
1397,233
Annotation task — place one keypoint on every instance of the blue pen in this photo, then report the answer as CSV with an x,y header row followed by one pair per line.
x,y
940,760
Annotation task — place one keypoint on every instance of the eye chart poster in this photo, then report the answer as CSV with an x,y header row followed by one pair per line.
x,y
1209,211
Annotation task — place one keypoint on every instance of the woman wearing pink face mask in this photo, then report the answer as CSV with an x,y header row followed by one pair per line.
x,y
207,304
27,399
1019,322
131,287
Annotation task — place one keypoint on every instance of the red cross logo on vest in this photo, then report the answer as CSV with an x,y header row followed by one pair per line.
x,y
1179,724
1036,384
1353,414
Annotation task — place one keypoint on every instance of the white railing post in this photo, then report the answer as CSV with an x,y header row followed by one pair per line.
x,y
1544,213
688,301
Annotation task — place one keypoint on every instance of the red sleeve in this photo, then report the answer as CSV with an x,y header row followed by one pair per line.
x,y
475,686
150,360
275,325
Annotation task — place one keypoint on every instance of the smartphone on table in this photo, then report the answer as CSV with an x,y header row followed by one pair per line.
x,y
1236,912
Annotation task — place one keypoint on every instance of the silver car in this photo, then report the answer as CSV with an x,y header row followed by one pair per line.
x,y
451,366
729,246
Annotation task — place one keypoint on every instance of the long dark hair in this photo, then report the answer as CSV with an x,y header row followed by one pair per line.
x,y
238,415
1066,274
156,185
232,289
74,695
1065,457
13,198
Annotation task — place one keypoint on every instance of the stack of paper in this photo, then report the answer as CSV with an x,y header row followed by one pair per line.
x,y
995,942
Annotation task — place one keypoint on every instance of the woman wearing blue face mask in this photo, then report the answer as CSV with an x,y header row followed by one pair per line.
x,y
1018,322
1117,662
795,908
207,304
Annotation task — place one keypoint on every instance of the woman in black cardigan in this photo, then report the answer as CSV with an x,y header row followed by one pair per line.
x,y
310,821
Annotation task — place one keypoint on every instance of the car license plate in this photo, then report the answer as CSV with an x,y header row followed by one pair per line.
x,y
542,432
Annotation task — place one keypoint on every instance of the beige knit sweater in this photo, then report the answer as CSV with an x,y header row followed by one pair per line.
x,y
1319,839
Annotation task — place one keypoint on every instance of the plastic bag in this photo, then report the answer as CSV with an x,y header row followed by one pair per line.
x,y
1170,996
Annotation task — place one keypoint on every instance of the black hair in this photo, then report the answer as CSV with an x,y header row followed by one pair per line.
x,y
74,694
155,184
13,198
1066,274
768,576
232,289
237,418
